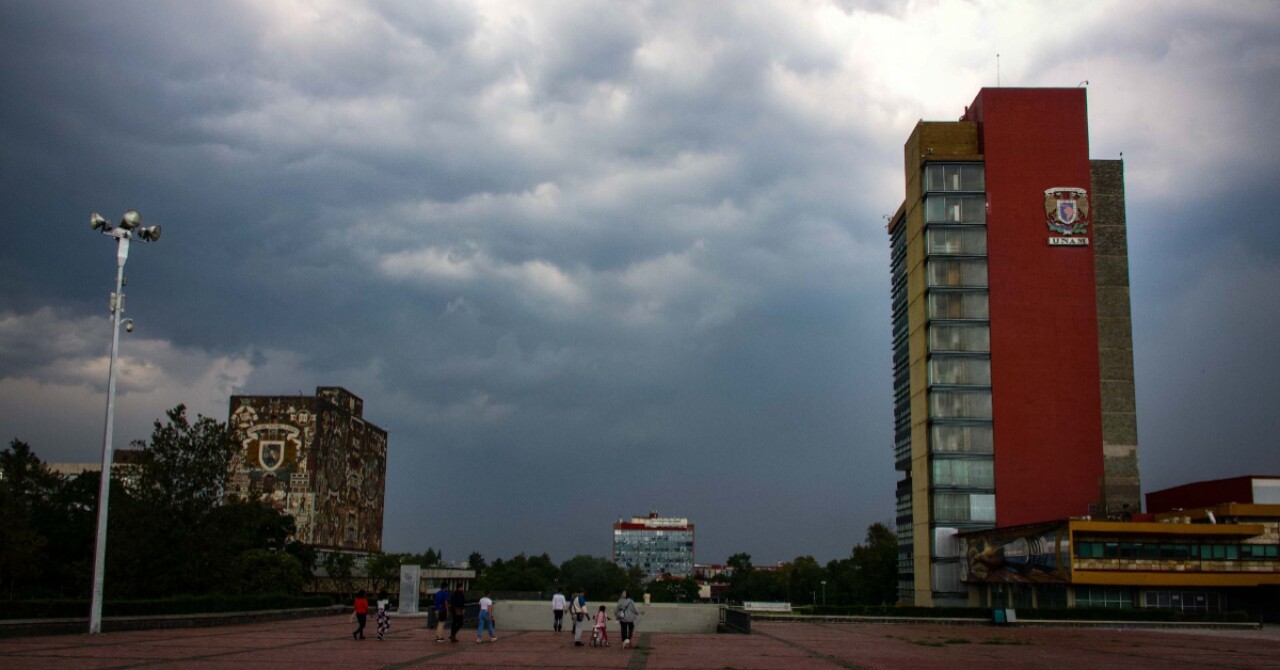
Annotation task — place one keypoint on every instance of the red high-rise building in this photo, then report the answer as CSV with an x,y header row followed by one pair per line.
x,y
1013,367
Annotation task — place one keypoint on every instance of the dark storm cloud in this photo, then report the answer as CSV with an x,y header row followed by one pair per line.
x,y
582,260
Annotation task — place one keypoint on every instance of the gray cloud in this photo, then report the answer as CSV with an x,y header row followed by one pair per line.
x,y
592,259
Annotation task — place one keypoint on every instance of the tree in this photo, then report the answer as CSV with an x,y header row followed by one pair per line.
x,y
670,589
521,573
740,564
476,562
27,489
185,469
262,571
384,570
601,578
804,580
340,567
306,555
875,565
426,559
159,544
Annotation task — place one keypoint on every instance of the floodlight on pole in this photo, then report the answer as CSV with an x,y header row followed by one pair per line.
x,y
122,234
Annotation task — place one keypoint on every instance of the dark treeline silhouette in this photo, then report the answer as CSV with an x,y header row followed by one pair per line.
x,y
170,532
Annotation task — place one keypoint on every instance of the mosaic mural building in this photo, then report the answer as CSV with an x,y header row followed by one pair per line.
x,y
315,458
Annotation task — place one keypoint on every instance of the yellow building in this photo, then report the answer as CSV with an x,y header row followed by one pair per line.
x,y
1208,558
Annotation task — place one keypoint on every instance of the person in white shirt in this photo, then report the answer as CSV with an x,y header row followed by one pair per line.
x,y
557,610
486,619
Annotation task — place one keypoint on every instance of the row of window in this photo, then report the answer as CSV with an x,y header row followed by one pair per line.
x,y
964,507
952,177
957,272
1121,598
960,405
955,371
959,305
976,439
966,473
964,337
1177,551
969,209
971,304
966,241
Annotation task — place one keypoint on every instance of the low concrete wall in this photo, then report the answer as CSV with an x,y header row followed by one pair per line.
x,y
654,618
112,624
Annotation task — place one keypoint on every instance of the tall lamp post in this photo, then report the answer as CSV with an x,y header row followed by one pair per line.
x,y
130,224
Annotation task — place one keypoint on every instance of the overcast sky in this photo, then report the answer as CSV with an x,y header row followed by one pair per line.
x,y
584,260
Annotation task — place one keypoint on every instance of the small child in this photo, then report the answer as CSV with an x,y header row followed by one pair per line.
x,y
601,632
384,617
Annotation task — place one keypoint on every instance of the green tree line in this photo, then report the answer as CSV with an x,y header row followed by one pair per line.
x,y
170,532
868,576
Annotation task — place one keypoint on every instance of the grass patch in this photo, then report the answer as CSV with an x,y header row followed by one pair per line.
x,y
928,643
957,640
1005,641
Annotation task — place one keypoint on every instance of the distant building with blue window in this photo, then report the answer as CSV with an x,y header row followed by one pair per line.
x,y
657,545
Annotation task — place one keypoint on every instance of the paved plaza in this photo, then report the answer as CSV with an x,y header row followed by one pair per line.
x,y
326,643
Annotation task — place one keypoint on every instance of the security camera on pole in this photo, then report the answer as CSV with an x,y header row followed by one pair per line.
x,y
130,224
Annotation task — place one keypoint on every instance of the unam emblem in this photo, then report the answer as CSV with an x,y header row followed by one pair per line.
x,y
1066,210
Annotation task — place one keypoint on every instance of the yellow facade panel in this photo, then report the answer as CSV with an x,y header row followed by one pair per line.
x,y
1180,579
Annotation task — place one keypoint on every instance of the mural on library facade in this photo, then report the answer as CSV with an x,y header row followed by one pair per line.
x,y
321,465
1037,554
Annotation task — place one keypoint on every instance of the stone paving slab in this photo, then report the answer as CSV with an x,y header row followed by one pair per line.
x,y
325,643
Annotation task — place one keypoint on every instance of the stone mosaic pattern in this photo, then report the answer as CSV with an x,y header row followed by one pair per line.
x,y
316,459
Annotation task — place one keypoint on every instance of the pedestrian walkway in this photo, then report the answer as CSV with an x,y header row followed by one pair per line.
x,y
326,643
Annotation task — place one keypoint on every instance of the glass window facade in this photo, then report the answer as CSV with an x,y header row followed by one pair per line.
x,y
956,371
957,209
963,473
966,241
957,272
971,439
961,469
974,337
964,507
958,305
955,177
1177,551
1097,596
960,405
657,551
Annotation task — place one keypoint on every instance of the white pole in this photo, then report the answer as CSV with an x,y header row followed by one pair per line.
x,y
104,486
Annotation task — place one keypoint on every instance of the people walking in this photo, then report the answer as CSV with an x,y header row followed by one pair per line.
x,y
360,610
557,610
384,615
486,619
457,610
441,603
578,612
627,615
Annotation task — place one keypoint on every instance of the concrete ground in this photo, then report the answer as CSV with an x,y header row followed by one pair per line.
x,y
325,643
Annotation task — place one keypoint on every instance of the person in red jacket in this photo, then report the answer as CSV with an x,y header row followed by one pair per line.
x,y
361,613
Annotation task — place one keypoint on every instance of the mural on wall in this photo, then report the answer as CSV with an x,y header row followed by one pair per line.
x,y
315,459
1037,554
